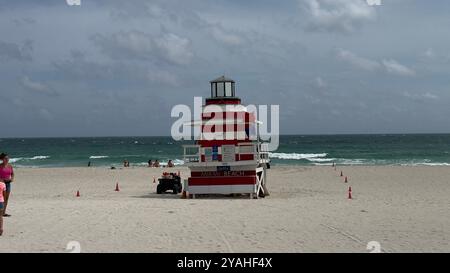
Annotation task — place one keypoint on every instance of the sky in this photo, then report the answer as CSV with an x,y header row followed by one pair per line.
x,y
116,68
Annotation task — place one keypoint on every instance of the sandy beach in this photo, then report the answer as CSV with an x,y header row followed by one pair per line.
x,y
405,209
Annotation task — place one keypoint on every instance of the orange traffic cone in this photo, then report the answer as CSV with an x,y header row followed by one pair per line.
x,y
117,187
78,194
346,180
349,192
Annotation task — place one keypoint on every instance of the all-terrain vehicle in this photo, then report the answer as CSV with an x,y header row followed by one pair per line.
x,y
169,181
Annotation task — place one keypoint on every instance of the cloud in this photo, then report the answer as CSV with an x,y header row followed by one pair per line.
x,y
430,96
175,48
357,61
225,36
23,21
45,114
320,83
393,67
133,44
132,10
420,97
138,45
84,69
13,51
38,87
163,77
342,16
133,62
429,53
389,66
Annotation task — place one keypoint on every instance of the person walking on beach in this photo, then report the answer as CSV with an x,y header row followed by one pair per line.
x,y
2,193
7,177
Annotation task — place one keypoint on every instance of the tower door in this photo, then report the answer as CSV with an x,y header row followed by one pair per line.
x,y
211,153
228,153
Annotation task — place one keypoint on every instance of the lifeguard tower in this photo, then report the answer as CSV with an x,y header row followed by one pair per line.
x,y
228,157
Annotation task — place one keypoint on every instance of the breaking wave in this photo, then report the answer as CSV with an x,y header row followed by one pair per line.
x,y
295,156
427,164
38,157
98,156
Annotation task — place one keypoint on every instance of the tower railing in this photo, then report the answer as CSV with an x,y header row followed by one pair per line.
x,y
263,154
192,153
245,151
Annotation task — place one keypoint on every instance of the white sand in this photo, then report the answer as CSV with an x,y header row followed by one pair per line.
x,y
406,209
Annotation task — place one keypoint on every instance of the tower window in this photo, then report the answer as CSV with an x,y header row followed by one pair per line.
x,y
228,90
220,89
213,90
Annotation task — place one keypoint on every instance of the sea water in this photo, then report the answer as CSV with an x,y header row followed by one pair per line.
x,y
421,149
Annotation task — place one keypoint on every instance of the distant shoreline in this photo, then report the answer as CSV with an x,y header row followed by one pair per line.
x,y
348,150
168,136
183,166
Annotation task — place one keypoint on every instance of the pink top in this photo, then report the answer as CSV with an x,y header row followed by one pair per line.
x,y
6,173
2,189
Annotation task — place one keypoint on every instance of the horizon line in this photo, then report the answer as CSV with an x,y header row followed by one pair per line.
x,y
140,136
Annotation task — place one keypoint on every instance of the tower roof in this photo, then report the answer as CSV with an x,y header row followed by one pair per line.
x,y
222,79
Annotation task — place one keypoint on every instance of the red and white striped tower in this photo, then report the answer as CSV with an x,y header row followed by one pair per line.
x,y
228,158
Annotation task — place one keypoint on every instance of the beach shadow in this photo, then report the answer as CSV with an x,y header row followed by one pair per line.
x,y
222,197
199,197
158,196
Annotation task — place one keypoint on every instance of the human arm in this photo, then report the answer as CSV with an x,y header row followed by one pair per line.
x,y
12,174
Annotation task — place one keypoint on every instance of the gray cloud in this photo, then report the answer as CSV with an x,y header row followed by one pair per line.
x,y
38,87
119,66
226,37
320,83
12,51
394,67
429,53
45,114
142,46
24,21
357,61
420,97
390,66
163,77
344,16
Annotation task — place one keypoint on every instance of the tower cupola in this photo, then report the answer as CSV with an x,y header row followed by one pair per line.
x,y
222,87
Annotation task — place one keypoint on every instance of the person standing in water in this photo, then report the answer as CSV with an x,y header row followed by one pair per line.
x,y
126,163
170,164
156,164
7,177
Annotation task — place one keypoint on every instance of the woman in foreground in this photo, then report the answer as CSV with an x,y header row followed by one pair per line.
x,y
2,192
7,177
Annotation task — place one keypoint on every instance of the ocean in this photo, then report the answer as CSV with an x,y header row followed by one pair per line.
x,y
420,149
